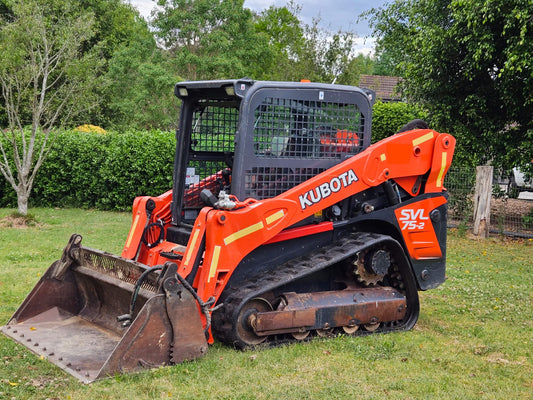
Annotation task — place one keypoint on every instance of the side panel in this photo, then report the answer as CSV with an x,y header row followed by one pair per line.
x,y
420,225
415,220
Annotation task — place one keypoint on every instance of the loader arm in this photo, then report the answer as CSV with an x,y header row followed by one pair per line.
x,y
232,234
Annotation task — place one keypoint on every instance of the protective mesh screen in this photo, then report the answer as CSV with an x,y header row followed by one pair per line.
x,y
266,182
300,139
287,128
212,143
214,126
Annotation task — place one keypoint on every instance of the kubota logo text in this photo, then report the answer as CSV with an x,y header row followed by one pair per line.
x,y
413,219
326,189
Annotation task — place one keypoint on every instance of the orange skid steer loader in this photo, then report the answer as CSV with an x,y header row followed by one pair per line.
x,y
283,223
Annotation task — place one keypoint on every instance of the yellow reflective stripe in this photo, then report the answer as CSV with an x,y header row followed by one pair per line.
x,y
243,232
274,217
214,263
442,168
130,237
191,247
422,139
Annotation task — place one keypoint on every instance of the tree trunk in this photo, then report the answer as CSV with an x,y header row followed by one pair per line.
x,y
22,202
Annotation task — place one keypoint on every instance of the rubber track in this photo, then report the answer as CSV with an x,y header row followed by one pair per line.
x,y
297,268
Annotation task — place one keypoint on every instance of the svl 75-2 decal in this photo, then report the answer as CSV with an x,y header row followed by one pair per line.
x,y
412,219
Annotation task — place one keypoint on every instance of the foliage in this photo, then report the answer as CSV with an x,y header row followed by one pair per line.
x,y
383,64
46,81
468,63
325,55
473,338
105,171
198,39
285,34
388,118
90,128
527,220
460,183
141,82
117,25
70,176
90,169
211,39
354,68
136,164
304,51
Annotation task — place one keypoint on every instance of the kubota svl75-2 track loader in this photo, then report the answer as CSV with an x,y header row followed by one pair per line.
x,y
283,223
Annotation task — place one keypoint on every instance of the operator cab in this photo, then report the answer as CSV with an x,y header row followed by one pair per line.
x,y
258,139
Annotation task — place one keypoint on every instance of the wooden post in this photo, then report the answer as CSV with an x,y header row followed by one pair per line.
x,y
482,197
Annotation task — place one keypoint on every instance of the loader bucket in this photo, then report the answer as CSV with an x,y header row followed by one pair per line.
x,y
70,316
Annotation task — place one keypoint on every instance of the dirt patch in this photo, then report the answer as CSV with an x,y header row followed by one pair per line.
x,y
512,215
511,207
17,222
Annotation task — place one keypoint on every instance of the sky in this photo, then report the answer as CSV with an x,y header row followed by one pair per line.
x,y
333,14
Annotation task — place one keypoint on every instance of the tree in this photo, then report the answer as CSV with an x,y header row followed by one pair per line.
x,y
353,69
304,51
285,35
46,81
384,64
326,55
469,63
118,26
211,39
141,89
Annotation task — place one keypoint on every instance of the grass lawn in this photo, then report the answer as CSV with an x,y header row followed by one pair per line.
x,y
474,338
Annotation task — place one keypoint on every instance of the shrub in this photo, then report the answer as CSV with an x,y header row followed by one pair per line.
x,y
90,128
137,164
388,118
107,172
70,176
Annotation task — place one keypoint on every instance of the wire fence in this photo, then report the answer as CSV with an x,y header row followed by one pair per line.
x,y
510,215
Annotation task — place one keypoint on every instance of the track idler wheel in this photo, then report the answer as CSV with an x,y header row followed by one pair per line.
x,y
371,327
247,320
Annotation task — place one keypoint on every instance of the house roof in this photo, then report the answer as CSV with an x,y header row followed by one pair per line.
x,y
384,86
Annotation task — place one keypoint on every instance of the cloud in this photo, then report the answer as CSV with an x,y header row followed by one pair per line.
x,y
365,46
334,15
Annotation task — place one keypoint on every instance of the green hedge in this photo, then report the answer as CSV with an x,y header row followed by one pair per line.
x,y
103,171
388,118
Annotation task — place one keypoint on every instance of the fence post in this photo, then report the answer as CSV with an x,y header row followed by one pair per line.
x,y
482,195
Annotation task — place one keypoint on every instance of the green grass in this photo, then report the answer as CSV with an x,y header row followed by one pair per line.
x,y
474,338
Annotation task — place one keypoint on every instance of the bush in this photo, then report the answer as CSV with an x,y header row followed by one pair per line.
x,y
388,118
71,176
136,164
92,170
